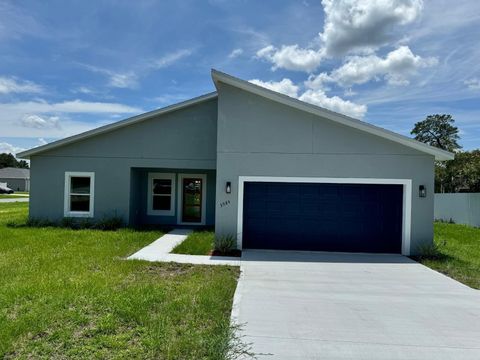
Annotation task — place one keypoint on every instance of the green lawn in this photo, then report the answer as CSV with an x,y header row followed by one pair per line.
x,y
68,294
13,196
197,243
458,253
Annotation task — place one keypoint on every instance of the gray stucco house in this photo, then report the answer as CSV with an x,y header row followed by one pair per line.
x,y
17,179
269,169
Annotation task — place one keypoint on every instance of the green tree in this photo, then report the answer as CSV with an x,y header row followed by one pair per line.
x,y
461,174
8,160
439,131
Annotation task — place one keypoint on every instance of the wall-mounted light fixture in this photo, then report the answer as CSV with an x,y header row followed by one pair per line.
x,y
228,187
422,191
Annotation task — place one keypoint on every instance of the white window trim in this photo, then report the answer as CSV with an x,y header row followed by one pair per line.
x,y
180,198
407,198
66,208
162,176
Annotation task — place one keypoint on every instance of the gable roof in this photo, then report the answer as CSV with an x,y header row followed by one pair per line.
x,y
116,125
260,91
330,115
14,173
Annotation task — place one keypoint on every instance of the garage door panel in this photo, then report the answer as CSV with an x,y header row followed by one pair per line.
x,y
325,217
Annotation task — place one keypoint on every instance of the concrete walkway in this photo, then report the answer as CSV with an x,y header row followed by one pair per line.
x,y
19,199
160,250
301,305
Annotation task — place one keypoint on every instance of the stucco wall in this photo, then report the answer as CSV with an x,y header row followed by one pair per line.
x,y
258,137
184,139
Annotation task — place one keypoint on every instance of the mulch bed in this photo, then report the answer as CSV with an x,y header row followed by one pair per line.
x,y
231,253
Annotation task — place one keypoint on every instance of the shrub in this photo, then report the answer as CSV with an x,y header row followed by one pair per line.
x,y
225,244
431,251
109,223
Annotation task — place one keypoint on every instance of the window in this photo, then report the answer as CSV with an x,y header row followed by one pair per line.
x,y
161,193
79,194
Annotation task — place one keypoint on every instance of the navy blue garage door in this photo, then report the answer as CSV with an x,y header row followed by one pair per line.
x,y
323,217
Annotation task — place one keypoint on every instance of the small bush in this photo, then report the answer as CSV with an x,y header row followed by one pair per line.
x,y
39,222
431,251
225,244
449,221
109,223
30,222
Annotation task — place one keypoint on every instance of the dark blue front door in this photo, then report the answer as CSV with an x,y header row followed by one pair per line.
x,y
323,217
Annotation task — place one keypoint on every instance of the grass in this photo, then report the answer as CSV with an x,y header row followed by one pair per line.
x,y
12,196
68,294
456,253
197,243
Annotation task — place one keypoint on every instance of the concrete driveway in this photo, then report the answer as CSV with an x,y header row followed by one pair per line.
x,y
300,305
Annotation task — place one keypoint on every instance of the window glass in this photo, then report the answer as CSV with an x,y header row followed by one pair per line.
x,y
162,186
161,203
80,203
79,185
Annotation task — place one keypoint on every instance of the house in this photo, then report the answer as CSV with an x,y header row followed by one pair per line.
x,y
17,179
273,171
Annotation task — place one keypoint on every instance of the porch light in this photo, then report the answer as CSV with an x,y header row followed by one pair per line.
x,y
422,191
228,187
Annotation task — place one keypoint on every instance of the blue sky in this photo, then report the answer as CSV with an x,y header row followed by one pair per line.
x,y
67,67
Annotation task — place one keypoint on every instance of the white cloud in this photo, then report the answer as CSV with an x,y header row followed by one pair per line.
x,y
116,79
83,90
286,86
42,141
38,122
171,58
335,103
130,79
9,148
315,96
364,25
473,83
126,80
291,57
235,53
12,85
71,106
350,26
395,68
15,23
43,119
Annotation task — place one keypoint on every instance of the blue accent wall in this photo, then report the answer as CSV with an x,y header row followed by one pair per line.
x,y
139,196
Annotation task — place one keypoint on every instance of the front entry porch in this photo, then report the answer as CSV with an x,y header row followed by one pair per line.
x,y
172,197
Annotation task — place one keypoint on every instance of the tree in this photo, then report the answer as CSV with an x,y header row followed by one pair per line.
x,y
439,131
8,160
459,175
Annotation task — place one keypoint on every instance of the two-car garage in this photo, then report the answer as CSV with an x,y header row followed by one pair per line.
x,y
322,216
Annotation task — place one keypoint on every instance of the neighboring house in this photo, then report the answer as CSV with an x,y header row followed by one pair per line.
x,y
17,179
271,170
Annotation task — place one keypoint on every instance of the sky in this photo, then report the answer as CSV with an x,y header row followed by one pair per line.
x,y
68,67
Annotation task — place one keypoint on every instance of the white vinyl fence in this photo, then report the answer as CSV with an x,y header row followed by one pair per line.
x,y
459,207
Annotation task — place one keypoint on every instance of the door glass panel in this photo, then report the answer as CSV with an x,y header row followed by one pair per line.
x,y
192,200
